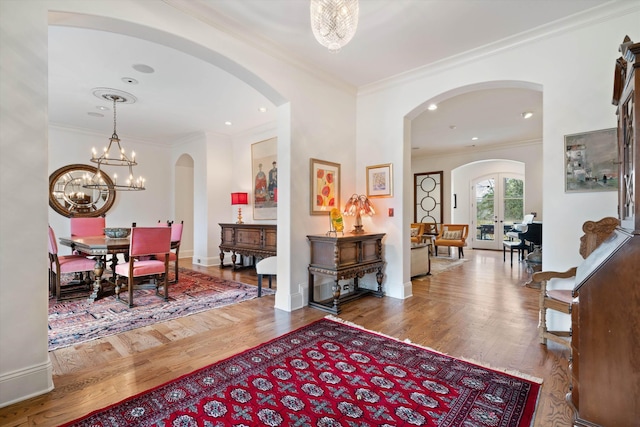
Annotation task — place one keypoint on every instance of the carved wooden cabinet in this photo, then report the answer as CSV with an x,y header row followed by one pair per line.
x,y
256,240
605,317
626,96
345,257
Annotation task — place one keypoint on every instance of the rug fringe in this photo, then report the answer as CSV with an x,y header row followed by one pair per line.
x,y
508,371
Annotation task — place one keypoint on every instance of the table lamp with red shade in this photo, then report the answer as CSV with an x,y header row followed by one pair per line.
x,y
239,199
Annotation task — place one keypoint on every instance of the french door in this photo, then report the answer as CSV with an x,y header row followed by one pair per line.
x,y
497,203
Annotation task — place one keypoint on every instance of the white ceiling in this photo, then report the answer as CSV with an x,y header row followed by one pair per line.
x,y
185,95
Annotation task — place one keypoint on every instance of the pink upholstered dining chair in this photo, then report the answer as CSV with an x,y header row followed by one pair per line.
x,y
82,227
59,264
146,241
176,237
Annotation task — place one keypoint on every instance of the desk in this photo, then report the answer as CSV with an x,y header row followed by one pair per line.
x,y
346,257
256,240
100,247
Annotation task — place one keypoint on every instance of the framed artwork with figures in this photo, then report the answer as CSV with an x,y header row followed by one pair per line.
x,y
264,169
325,186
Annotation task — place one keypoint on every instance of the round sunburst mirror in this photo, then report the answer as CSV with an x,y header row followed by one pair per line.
x,y
69,197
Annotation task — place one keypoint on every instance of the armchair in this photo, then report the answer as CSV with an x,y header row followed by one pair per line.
x,y
417,230
146,241
452,235
562,299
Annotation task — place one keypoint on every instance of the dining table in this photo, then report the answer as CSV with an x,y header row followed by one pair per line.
x,y
101,247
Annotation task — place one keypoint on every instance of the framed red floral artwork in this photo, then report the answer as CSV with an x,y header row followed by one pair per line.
x,y
325,186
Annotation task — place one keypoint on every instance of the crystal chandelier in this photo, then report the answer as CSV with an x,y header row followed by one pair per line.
x,y
120,159
334,22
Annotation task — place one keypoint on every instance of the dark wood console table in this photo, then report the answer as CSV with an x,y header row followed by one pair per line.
x,y
256,240
346,257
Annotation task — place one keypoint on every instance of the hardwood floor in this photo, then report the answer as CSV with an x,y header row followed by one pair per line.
x,y
478,311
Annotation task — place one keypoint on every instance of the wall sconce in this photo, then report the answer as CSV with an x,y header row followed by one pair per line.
x,y
239,199
358,205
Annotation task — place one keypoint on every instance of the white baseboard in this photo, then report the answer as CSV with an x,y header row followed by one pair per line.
x,y
25,383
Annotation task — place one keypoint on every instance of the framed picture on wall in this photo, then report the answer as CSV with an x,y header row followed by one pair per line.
x,y
325,186
379,181
264,168
591,161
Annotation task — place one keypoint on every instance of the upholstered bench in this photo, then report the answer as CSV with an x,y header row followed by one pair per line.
x,y
519,246
266,267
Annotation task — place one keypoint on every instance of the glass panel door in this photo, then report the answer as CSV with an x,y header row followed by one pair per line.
x,y
485,213
498,202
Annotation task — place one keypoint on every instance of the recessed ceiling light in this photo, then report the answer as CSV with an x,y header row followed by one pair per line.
x,y
475,138
143,68
432,107
452,127
130,80
227,123
94,114
262,109
102,108
527,115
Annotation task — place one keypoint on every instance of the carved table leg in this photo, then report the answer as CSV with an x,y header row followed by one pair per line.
x,y
221,259
234,257
336,295
379,277
98,269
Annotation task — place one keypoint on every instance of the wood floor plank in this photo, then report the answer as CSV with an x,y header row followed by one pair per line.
x,y
478,311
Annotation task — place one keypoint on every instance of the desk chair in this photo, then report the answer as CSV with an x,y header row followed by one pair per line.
x,y
562,299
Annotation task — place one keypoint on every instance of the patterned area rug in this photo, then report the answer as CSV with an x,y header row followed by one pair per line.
x,y
75,321
440,264
329,373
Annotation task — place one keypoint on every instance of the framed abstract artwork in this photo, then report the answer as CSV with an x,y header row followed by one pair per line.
x,y
379,181
325,186
264,169
591,161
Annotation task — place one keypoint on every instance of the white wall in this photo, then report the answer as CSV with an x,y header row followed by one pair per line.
x,y
25,368
574,69
316,118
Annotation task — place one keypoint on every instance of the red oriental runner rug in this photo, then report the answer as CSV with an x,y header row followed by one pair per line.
x,y
329,373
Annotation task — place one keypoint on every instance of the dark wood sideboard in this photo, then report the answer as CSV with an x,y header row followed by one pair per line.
x,y
342,258
256,240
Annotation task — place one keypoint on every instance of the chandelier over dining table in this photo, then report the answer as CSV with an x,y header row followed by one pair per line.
x,y
114,155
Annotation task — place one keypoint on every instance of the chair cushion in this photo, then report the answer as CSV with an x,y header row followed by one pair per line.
x,y
74,264
452,235
141,268
414,232
563,295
